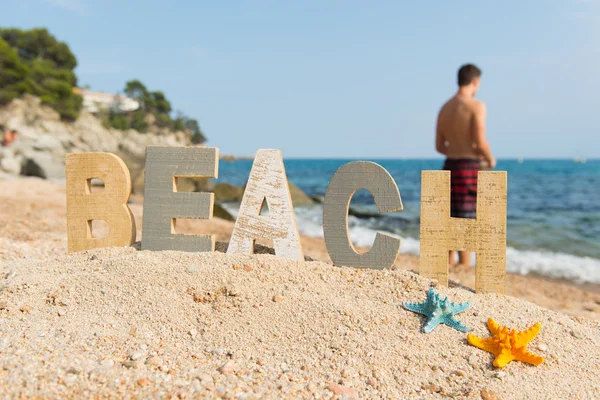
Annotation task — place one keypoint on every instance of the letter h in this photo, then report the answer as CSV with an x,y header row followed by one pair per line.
x,y
485,235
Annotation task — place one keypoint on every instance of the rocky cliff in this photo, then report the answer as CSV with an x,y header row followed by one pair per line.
x,y
44,140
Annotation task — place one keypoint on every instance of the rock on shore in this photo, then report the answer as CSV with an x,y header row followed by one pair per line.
x,y
44,139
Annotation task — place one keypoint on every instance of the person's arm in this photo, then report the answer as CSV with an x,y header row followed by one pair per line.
x,y
440,140
481,143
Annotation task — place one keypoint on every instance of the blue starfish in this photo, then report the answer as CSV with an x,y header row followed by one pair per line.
x,y
439,311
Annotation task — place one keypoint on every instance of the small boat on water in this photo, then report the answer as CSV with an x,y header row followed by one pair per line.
x,y
520,160
580,160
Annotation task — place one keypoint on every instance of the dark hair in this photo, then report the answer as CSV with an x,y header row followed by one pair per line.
x,y
467,73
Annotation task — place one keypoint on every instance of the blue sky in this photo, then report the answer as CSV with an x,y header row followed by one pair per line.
x,y
355,79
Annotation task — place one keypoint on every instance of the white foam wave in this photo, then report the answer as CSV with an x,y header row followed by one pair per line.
x,y
554,265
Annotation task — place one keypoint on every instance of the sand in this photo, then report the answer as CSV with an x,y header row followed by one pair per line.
x,y
124,323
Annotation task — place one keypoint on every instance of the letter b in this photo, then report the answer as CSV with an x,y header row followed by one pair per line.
x,y
110,205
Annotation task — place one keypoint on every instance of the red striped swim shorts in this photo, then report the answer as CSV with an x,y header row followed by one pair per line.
x,y
463,183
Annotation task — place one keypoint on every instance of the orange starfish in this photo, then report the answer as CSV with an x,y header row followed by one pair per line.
x,y
508,345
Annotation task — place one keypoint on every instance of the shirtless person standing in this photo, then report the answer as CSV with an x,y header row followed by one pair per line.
x,y
460,136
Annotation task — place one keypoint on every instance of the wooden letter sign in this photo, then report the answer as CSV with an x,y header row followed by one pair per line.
x,y
486,235
345,182
109,206
267,182
163,203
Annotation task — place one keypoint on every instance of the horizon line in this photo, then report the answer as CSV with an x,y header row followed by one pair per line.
x,y
512,158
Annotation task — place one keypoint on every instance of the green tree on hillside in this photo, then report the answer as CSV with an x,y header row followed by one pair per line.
x,y
156,104
44,68
136,90
13,74
197,135
41,45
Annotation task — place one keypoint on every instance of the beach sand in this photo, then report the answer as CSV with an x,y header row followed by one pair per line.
x,y
124,323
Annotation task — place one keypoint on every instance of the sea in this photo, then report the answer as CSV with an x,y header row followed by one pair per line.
x,y
553,211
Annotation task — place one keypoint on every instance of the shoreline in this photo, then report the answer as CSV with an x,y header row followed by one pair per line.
x,y
589,287
557,244
545,255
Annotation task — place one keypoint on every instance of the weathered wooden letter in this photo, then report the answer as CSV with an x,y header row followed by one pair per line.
x,y
486,235
347,180
163,203
267,182
110,205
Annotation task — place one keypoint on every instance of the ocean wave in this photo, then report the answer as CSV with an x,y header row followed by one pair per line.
x,y
545,263
554,265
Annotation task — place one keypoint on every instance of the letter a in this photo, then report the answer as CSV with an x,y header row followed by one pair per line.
x,y
345,182
110,205
163,203
267,182
486,235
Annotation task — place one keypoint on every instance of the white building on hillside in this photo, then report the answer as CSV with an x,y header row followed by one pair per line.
x,y
97,101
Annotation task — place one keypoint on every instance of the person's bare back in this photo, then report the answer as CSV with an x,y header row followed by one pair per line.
x,y
460,131
456,123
